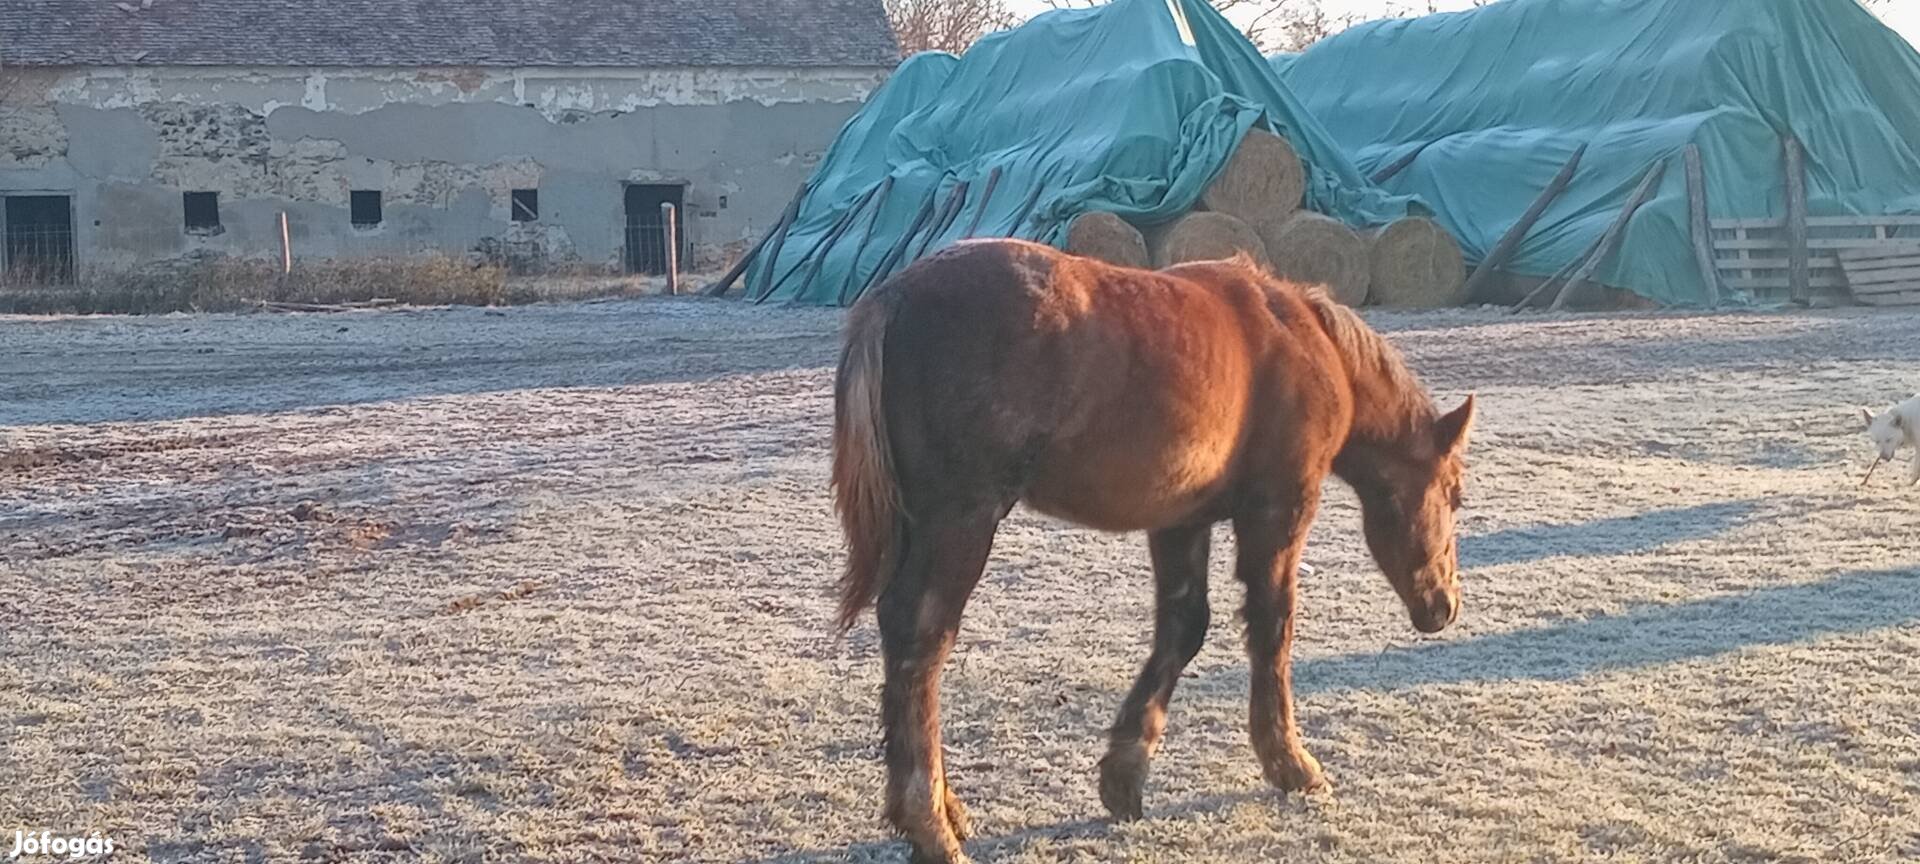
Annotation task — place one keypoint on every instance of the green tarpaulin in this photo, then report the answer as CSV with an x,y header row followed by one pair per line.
x,y
1131,108
1499,97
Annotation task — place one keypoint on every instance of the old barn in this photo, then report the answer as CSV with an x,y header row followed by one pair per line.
x,y
152,130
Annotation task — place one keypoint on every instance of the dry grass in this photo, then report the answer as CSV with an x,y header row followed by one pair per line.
x,y
551,584
233,284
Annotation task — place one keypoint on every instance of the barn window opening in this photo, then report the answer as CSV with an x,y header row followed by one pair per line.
x,y
36,244
365,207
526,205
202,211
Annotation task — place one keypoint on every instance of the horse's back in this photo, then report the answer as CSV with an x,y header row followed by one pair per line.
x,y
1113,397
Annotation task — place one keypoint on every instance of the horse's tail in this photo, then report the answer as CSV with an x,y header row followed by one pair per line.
x,y
866,490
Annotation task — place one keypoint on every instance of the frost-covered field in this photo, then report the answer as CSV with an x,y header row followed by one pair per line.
x,y
551,584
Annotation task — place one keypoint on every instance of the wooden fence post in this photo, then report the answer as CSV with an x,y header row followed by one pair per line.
x,y
1701,229
286,246
672,243
1799,273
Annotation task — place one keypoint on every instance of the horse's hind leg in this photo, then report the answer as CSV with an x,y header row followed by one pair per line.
x,y
919,613
1271,540
1179,628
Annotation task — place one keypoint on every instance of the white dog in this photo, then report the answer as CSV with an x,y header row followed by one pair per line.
x,y
1899,425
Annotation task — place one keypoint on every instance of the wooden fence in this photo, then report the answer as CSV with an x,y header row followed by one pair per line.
x,y
1756,255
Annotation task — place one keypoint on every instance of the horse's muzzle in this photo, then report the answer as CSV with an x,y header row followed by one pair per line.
x,y
1442,608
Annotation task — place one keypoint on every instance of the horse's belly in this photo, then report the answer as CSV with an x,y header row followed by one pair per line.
x,y
1120,483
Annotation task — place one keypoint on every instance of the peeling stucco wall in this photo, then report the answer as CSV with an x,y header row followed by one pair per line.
x,y
445,147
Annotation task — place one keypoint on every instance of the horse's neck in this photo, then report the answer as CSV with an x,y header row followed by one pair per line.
x,y
1386,411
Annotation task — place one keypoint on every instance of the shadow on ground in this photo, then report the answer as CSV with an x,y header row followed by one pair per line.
x,y
1644,636
1622,535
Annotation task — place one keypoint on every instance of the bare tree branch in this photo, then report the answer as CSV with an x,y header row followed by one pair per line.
x,y
945,25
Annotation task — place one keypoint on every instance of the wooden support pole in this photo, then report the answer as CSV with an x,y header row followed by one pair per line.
x,y
1615,233
825,240
900,246
1025,212
839,230
670,240
1799,273
1701,228
1555,279
879,207
948,212
286,246
1510,242
740,267
1400,164
993,182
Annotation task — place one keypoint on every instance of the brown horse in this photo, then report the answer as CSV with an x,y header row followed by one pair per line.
x,y
997,372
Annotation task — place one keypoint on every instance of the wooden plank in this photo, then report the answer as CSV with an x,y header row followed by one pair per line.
x,y
1820,262
1889,288
1702,235
1881,277
1818,244
1778,282
1881,249
1909,298
1510,241
1818,222
1874,264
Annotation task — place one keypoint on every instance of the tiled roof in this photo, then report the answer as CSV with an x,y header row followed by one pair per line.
x,y
445,33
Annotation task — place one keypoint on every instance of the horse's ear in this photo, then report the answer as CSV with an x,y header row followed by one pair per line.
x,y
1869,415
1450,432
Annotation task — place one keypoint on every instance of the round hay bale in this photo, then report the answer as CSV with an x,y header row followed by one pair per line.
x,y
1262,184
1309,247
1108,238
1204,237
1416,264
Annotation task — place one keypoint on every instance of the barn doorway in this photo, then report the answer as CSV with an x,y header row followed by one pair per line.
x,y
646,228
38,242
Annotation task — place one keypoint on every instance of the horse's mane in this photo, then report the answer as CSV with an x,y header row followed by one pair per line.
x,y
1363,349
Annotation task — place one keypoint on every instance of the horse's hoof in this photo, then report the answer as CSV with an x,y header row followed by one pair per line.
x,y
1123,781
954,856
1301,774
957,819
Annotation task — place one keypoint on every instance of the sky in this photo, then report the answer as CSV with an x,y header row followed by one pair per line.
x,y
1903,16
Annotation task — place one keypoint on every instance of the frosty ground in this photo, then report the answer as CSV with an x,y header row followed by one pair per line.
x,y
552,584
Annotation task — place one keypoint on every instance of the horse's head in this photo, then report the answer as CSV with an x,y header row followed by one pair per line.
x,y
1409,492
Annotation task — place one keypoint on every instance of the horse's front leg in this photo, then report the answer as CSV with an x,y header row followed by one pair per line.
x,y
1179,629
919,613
1271,539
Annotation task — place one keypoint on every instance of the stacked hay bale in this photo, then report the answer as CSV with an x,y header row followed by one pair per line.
x,y
1416,264
1205,236
1108,238
1262,185
1309,247
1254,207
